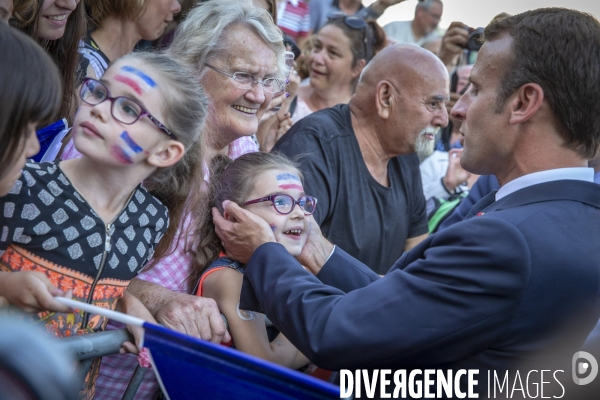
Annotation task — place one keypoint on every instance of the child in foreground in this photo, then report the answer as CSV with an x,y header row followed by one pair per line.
x,y
87,224
270,186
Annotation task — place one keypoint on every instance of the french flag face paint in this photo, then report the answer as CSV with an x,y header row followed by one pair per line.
x,y
131,143
289,181
135,79
125,152
129,82
287,186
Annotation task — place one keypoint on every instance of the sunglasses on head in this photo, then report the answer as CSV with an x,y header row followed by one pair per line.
x,y
353,22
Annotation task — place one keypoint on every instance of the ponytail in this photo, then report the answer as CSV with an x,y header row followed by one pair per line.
x,y
378,40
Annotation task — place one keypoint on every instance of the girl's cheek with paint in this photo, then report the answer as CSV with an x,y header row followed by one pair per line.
x,y
126,150
121,155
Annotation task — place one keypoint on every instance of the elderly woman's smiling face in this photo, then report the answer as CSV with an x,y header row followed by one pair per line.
x,y
236,112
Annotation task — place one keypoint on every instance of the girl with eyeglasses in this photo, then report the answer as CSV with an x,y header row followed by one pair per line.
x,y
87,224
270,186
341,50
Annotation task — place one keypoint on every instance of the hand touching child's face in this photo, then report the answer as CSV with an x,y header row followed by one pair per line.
x,y
291,229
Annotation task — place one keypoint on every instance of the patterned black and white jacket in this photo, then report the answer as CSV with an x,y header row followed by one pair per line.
x,y
47,226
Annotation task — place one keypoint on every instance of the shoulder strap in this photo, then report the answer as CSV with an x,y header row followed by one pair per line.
x,y
218,264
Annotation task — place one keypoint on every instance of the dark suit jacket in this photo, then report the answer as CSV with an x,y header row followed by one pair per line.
x,y
489,292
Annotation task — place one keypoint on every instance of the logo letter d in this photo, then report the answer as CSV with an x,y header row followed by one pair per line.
x,y
582,367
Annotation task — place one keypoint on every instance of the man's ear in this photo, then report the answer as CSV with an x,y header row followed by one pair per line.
x,y
384,99
167,155
526,103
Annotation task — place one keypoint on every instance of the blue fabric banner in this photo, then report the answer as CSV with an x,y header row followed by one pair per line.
x,y
189,368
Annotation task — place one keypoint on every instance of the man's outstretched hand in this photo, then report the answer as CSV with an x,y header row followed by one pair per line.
x,y
242,232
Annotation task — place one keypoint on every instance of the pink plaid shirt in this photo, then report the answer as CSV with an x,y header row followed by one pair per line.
x,y
171,272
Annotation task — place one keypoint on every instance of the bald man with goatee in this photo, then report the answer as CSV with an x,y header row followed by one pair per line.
x,y
359,161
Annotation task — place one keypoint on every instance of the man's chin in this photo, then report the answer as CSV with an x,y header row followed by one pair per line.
x,y
424,149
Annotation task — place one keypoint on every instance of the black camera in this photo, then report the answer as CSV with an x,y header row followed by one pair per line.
x,y
288,41
475,40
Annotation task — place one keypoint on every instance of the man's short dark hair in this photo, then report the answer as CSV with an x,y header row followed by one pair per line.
x,y
559,49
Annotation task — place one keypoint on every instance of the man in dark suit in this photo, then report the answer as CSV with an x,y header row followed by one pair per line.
x,y
501,288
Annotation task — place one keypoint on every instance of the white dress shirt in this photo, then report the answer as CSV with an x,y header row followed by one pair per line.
x,y
578,174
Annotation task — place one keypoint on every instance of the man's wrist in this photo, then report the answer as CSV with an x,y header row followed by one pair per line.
x,y
321,256
376,9
151,295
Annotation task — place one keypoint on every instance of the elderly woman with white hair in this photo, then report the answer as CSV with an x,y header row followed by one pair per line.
x,y
236,52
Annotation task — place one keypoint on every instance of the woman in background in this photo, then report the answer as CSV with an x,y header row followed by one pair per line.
x,y
341,50
57,25
117,26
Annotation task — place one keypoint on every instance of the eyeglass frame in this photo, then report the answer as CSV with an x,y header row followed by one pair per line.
x,y
363,26
254,79
271,198
143,113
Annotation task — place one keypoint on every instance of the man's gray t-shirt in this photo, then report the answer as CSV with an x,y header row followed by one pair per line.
x,y
369,221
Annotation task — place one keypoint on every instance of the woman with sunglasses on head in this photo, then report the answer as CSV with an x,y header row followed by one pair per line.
x,y
88,224
342,48
270,186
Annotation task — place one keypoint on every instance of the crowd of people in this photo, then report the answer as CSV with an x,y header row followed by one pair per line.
x,y
382,201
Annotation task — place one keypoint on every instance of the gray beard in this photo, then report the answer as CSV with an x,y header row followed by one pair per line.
x,y
423,147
